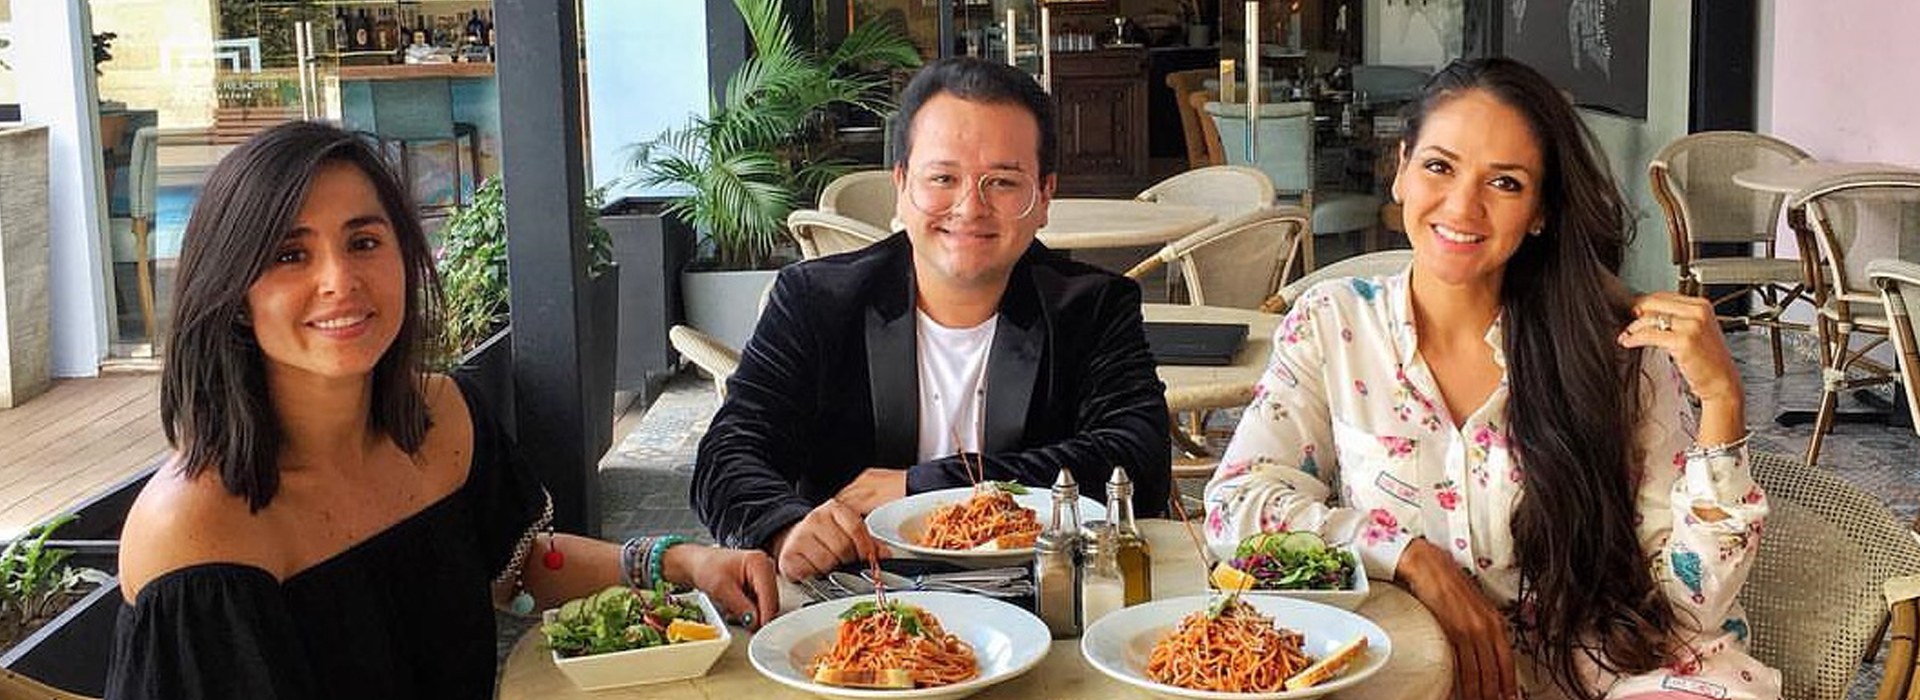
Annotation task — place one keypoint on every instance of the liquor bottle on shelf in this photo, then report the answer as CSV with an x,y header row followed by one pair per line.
x,y
476,30
486,30
362,30
342,34
386,31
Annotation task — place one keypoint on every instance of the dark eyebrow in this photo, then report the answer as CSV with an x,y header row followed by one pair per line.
x,y
368,220
1003,165
1496,166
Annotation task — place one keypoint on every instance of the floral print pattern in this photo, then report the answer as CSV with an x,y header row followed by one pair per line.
x,y
1358,414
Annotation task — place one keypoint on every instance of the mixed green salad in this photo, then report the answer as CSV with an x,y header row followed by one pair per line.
x,y
621,618
1289,561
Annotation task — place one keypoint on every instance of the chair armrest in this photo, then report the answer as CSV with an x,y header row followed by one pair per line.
x,y
1896,683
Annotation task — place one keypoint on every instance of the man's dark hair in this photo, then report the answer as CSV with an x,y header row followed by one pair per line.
x,y
975,80
214,404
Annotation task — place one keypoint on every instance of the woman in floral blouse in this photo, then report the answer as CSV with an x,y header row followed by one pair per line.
x,y
1507,428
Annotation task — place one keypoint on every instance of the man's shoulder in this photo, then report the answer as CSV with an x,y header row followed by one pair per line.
x,y
1063,282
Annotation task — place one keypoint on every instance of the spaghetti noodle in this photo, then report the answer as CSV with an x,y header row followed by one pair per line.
x,y
1230,647
991,515
878,637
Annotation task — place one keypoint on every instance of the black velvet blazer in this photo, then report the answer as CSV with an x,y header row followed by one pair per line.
x,y
829,386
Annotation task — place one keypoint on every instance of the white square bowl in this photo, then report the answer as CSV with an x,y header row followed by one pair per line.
x,y
659,664
1348,598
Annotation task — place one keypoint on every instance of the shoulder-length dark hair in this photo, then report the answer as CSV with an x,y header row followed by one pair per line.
x,y
1586,589
213,390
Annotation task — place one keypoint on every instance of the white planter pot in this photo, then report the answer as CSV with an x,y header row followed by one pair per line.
x,y
725,305
25,318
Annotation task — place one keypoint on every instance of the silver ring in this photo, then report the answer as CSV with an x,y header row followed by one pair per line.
x,y
1663,322
746,619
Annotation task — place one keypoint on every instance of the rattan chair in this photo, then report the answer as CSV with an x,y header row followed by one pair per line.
x,y
1899,283
1814,596
1692,178
1226,190
822,233
1853,217
1185,84
865,195
707,353
1235,263
1375,264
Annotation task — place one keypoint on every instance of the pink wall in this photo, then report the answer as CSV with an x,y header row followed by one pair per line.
x,y
1845,83
1846,79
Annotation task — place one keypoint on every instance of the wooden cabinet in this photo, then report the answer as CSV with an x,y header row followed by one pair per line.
x,y
1100,104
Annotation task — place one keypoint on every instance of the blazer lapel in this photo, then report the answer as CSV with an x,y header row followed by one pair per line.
x,y
1014,363
893,372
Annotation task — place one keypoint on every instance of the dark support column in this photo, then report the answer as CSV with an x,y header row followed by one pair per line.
x,y
562,425
727,44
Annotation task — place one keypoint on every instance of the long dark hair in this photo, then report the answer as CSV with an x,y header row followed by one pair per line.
x,y
213,389
1584,581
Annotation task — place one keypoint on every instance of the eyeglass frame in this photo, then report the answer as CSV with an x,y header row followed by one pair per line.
x,y
979,193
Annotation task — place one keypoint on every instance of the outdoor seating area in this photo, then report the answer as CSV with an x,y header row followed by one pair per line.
x,y
943,348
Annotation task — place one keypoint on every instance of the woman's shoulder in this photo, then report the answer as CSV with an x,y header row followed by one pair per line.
x,y
180,521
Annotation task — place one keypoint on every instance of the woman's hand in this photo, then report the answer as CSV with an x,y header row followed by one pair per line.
x,y
1686,327
741,582
1483,667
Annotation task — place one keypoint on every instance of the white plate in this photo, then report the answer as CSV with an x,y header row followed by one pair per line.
x,y
901,522
1120,643
1006,640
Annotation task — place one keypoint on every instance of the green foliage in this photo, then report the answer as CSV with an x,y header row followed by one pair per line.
x,y
33,578
472,263
753,158
617,619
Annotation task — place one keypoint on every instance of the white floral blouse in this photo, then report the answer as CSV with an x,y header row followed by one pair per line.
x,y
1347,406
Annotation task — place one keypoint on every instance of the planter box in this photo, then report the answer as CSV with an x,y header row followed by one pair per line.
x,y
26,359
650,249
725,305
71,651
490,365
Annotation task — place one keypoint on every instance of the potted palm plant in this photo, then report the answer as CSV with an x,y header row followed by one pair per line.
x,y
761,152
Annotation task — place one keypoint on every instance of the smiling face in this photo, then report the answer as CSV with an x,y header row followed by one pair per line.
x,y
332,298
1470,189
973,246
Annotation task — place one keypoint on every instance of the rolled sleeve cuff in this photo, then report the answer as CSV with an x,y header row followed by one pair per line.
x,y
1382,558
1724,481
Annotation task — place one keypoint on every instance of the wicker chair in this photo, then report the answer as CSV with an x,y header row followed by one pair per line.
x,y
1814,595
1693,180
1385,262
865,195
1857,217
707,353
1238,262
822,233
1185,84
1226,190
1899,283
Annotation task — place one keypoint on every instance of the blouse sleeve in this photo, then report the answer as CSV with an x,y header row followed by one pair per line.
x,y
510,504
211,631
1276,471
1699,564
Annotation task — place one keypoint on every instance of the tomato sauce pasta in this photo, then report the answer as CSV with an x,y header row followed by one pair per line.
x,y
880,637
1236,650
989,516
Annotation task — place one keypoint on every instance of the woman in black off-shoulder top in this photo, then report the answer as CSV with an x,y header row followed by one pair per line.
x,y
336,522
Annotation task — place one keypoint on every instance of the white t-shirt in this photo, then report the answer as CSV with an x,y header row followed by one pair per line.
x,y
953,385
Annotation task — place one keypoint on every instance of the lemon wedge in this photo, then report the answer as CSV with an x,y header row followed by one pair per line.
x,y
1227,578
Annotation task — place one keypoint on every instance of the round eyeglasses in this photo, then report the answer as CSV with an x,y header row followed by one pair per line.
x,y
1004,192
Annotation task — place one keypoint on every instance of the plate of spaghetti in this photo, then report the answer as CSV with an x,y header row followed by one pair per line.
x,y
1233,647
994,523
911,644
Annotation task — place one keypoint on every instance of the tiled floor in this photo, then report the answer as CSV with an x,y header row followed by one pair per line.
x,y
646,476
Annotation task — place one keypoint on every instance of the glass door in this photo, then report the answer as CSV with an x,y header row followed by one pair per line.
x,y
181,82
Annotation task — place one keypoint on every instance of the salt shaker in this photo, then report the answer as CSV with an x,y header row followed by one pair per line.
x,y
1102,590
1056,562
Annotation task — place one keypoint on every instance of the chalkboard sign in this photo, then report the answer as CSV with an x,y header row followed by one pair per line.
x,y
1596,49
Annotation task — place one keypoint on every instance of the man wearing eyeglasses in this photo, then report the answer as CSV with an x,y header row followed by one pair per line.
x,y
956,348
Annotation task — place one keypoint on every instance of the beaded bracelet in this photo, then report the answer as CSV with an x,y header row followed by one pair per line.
x,y
522,602
1722,449
632,566
657,558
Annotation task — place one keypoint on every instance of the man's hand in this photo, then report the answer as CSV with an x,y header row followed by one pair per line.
x,y
875,487
832,533
1482,655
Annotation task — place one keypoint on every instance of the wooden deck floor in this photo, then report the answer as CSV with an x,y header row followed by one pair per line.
x,y
74,442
